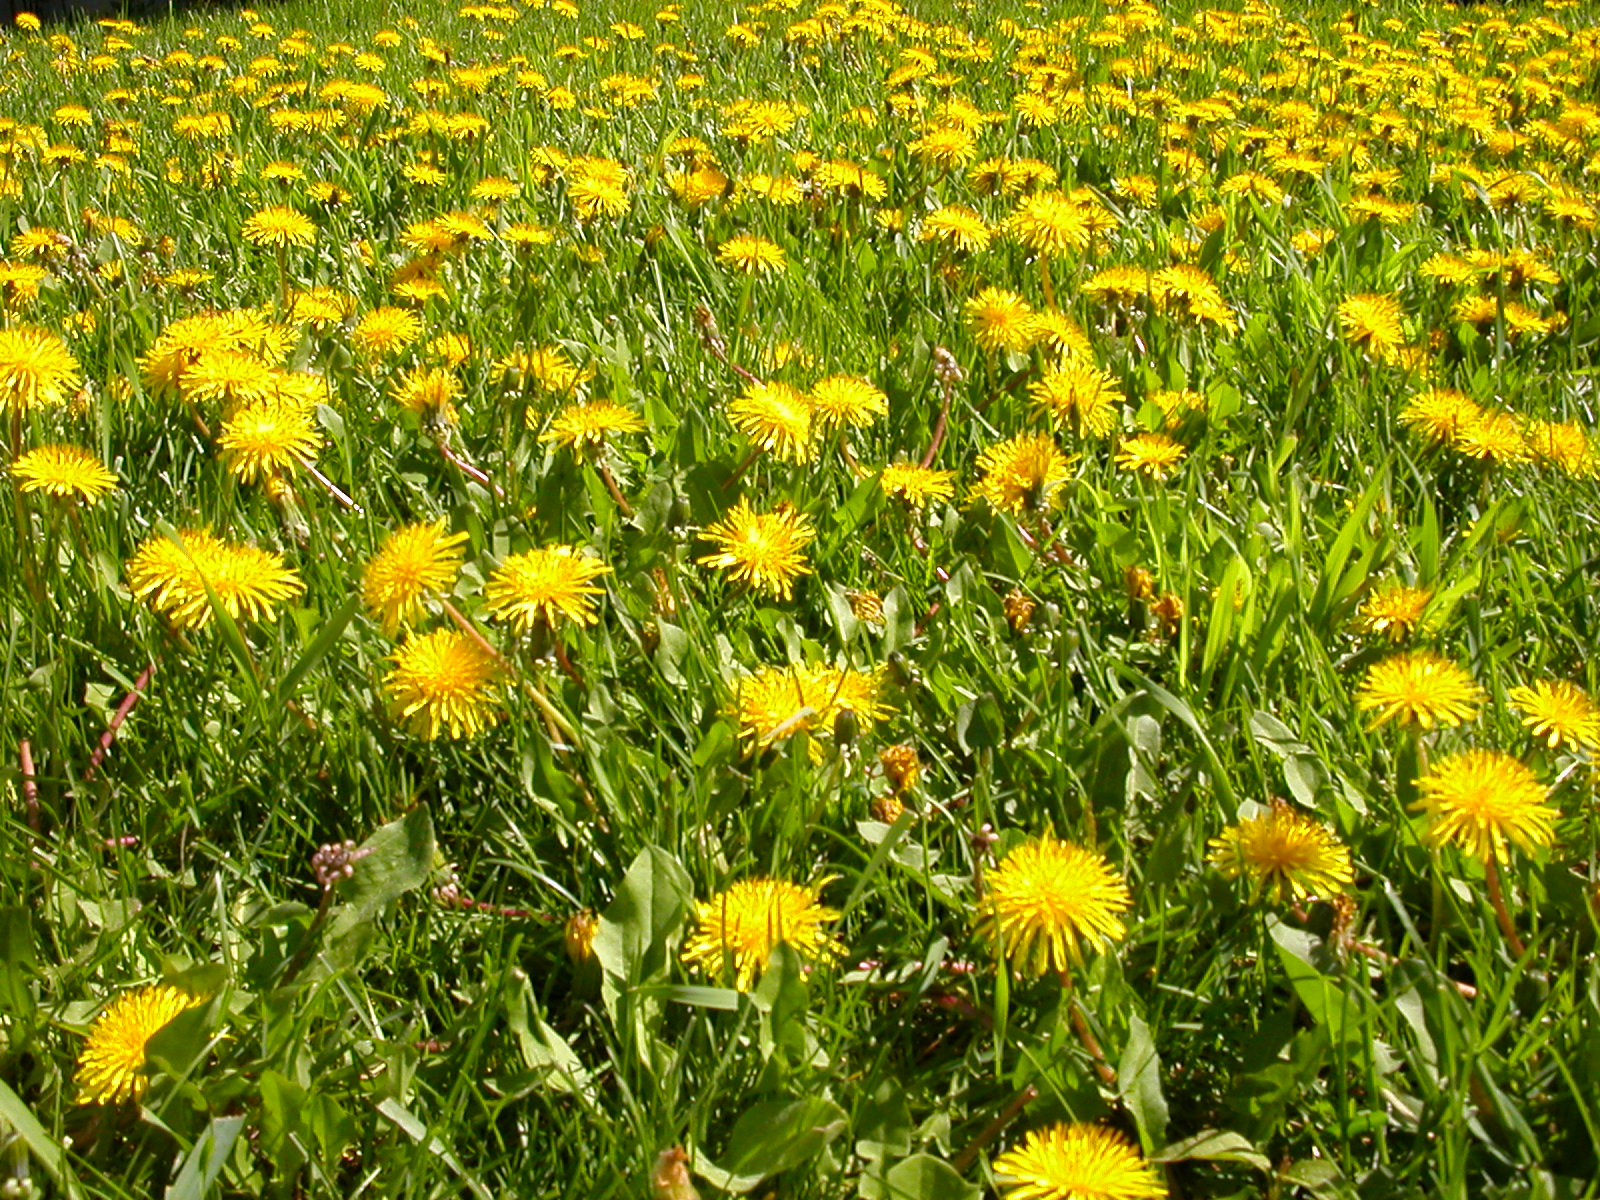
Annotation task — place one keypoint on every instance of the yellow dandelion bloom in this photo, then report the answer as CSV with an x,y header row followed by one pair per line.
x,y
430,392
545,586
776,417
1394,610
1557,712
764,550
1418,688
36,371
112,1062
279,226
957,228
1001,320
1077,1162
737,930
916,485
444,683
847,400
584,426
385,330
1374,323
414,562
751,255
1480,800
1020,473
1046,897
778,702
178,575
64,471
1285,855
1080,394
1153,455
1050,224
260,441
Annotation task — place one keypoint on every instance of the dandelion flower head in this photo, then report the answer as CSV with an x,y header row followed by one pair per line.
x,y
546,585
1020,473
1558,713
112,1062
917,485
444,683
414,562
739,928
64,471
1480,800
764,550
1285,854
1394,610
1418,688
36,371
178,575
1045,898
775,417
1077,1162
583,426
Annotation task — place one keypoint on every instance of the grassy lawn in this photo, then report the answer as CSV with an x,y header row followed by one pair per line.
x,y
805,600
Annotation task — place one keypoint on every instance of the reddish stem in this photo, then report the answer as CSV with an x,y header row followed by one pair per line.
x,y
30,786
117,718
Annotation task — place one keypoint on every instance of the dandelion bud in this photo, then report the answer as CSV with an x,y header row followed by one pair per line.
x,y
887,809
579,936
669,1178
1018,609
866,606
1139,584
900,768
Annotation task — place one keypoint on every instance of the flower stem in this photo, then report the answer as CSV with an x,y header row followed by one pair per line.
x,y
332,488
1491,875
961,1162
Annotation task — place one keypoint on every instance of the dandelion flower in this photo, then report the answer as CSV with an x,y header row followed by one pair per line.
x,y
430,392
584,426
1082,394
260,441
778,702
1050,224
1153,455
1285,854
1077,1162
178,575
63,471
36,371
776,418
1394,610
1046,896
444,682
1481,799
1558,712
385,330
846,400
751,255
279,226
112,1062
227,377
1418,688
739,928
1437,415
1373,322
545,585
956,227
916,485
764,550
414,562
1020,473
1001,320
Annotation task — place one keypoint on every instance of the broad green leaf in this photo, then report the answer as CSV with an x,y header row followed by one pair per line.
x,y
640,928
1215,1145
773,1136
920,1177
333,628
206,1158
1139,1084
46,1150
